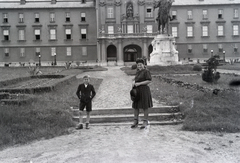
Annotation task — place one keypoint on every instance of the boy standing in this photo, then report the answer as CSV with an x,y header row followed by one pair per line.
x,y
85,93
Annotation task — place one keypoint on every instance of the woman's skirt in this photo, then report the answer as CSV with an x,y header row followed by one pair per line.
x,y
145,98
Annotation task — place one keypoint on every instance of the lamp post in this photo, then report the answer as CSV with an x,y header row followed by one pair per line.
x,y
55,59
211,53
224,55
39,59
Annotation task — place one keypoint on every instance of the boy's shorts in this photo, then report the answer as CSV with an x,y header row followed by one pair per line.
x,y
88,106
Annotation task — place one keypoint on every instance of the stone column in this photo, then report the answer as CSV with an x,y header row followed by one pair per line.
x,y
120,53
103,51
145,48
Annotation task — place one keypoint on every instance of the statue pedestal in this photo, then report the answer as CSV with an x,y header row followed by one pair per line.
x,y
164,52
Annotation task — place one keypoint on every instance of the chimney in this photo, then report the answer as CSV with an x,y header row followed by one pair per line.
x,y
22,2
53,1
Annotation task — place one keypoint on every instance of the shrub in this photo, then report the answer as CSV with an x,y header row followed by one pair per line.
x,y
197,68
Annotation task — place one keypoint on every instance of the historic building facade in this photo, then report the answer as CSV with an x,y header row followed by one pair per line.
x,y
201,27
48,31
113,32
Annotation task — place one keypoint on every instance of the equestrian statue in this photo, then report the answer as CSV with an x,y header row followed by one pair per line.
x,y
163,14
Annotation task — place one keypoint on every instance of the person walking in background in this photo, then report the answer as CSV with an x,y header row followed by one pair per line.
x,y
141,81
85,93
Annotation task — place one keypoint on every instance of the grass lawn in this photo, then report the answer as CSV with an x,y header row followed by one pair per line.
x,y
46,117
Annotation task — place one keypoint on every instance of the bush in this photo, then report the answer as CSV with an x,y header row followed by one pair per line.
x,y
197,68
134,66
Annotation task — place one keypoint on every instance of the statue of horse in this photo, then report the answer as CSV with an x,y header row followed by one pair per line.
x,y
163,14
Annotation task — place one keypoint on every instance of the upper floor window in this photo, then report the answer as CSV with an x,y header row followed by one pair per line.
x,y
6,52
37,33
84,51
174,14
21,34
68,34
52,17
130,29
69,51
84,33
5,18
205,14
189,31
21,17
83,17
220,31
37,18
149,29
149,13
110,30
68,17
190,14
220,14
53,51
53,34
6,34
235,30
235,14
110,12
205,30
174,31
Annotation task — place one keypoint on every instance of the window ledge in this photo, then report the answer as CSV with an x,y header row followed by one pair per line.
x,y
190,37
68,39
221,36
205,36
6,41
235,35
37,40
52,40
22,40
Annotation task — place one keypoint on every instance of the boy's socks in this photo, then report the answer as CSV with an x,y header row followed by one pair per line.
x,y
87,126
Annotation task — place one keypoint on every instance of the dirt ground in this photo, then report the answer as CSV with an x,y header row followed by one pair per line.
x,y
121,144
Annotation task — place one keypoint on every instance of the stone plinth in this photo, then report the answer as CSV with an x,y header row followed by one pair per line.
x,y
164,52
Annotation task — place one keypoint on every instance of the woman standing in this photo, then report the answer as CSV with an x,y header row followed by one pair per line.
x,y
141,81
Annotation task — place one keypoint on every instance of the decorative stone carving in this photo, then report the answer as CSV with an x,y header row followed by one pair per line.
x,y
102,4
118,3
141,2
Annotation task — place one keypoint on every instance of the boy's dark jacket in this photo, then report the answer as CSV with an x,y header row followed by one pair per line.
x,y
87,93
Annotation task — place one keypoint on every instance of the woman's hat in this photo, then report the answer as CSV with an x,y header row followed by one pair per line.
x,y
140,60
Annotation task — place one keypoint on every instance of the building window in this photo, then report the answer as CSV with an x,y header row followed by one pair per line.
x,y
6,34
21,34
5,18
52,17
53,34
220,48
21,18
149,13
174,31
235,30
83,17
220,14
235,48
189,31
6,52
174,15
110,30
149,29
110,12
204,31
205,48
84,33
37,18
190,15
68,34
37,33
22,52
235,14
205,14
53,51
69,51
38,51
189,48
220,30
130,29
84,51
68,17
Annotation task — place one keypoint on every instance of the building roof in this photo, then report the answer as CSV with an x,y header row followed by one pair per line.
x,y
15,4
204,2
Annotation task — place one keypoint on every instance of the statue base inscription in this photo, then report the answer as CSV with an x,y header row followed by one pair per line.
x,y
164,52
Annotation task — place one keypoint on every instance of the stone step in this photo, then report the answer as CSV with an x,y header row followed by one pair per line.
x,y
128,110
172,122
116,118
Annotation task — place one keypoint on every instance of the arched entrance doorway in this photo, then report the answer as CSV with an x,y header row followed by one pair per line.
x,y
111,53
132,52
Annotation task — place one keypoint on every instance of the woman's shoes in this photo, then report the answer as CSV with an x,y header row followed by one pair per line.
x,y
144,125
135,123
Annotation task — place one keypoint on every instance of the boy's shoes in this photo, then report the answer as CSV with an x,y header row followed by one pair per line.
x,y
87,126
79,126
